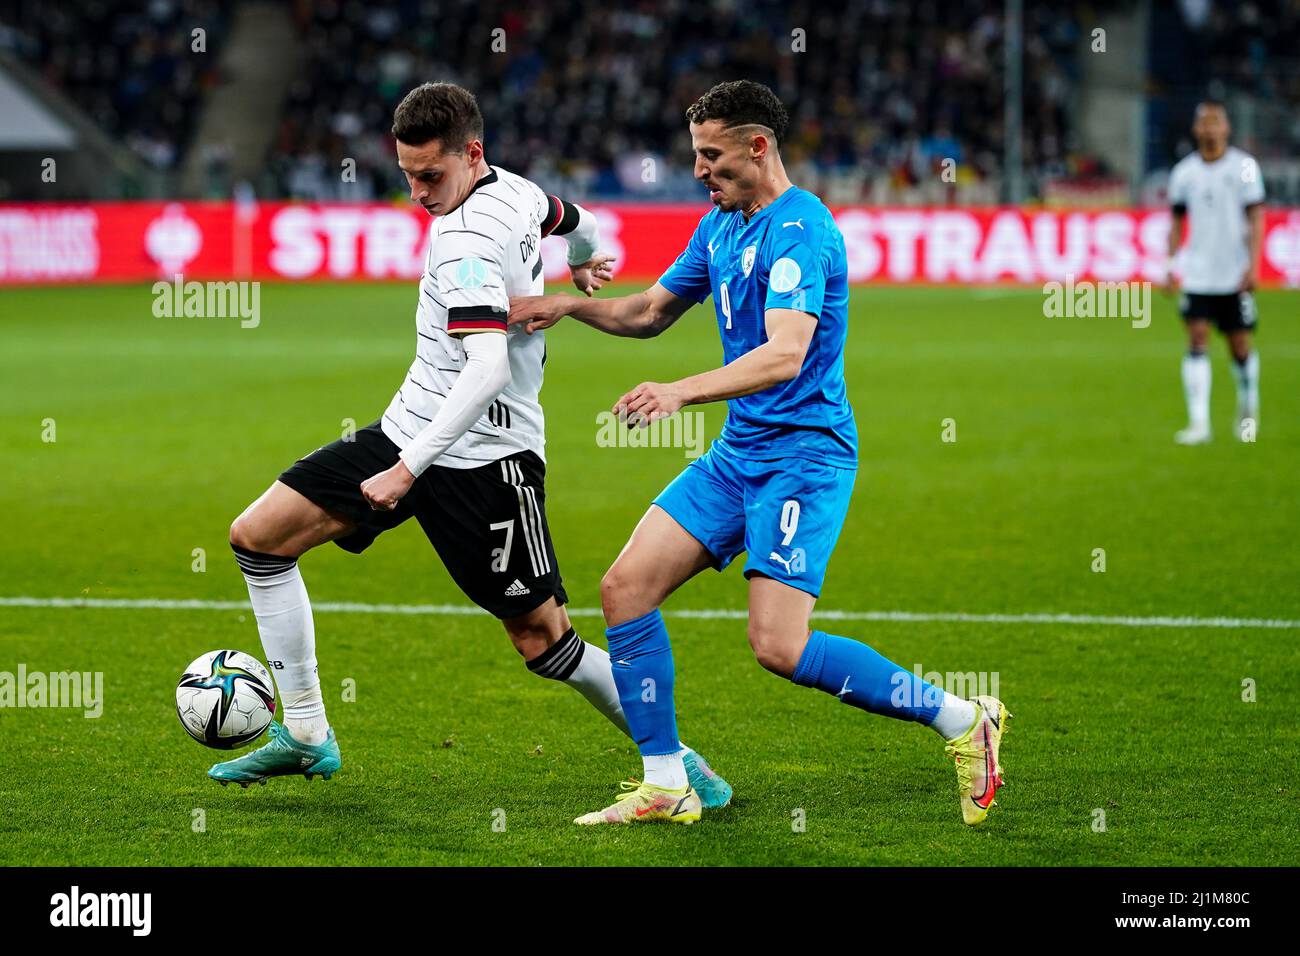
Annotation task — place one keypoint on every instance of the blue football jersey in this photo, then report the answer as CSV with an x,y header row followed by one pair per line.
x,y
789,255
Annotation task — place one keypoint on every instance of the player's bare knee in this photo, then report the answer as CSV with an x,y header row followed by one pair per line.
x,y
622,595
774,648
243,533
532,633
609,590
253,532
530,642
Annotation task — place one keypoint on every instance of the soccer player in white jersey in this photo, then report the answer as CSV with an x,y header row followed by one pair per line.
x,y
1219,191
460,447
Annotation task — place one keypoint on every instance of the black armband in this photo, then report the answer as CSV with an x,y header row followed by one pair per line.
x,y
561,219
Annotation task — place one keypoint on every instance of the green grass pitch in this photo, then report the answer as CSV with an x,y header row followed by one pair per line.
x,y
166,428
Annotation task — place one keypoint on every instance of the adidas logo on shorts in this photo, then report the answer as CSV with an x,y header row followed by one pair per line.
x,y
516,589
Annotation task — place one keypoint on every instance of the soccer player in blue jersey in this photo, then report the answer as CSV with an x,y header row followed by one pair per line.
x,y
776,484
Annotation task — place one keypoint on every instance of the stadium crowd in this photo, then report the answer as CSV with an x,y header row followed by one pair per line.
x,y
588,98
583,94
1251,49
127,64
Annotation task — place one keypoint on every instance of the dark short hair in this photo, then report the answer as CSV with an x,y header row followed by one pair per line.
x,y
441,111
1212,103
741,103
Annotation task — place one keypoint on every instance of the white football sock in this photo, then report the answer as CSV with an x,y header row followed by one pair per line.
x,y
1196,389
284,622
304,715
955,716
594,680
585,668
1247,375
666,770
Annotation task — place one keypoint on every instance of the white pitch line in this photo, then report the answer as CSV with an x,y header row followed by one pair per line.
x,y
726,614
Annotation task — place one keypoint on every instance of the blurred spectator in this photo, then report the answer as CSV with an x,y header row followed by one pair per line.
x,y
589,99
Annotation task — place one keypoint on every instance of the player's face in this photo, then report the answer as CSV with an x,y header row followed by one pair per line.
x,y
439,181
724,162
1211,128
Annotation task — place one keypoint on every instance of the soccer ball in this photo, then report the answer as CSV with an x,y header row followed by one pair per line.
x,y
225,699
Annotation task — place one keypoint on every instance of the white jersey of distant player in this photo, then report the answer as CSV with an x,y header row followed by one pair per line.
x,y
1216,195
480,254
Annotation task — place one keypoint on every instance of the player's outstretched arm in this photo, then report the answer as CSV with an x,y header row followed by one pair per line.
x,y
641,316
779,359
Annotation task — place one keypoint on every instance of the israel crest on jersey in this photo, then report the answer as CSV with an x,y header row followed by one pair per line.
x,y
747,260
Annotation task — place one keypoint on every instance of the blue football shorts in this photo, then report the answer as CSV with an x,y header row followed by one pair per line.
x,y
786,514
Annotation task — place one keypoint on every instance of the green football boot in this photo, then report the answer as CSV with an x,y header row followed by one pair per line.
x,y
279,757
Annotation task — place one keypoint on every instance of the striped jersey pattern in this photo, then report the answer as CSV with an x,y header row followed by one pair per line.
x,y
479,254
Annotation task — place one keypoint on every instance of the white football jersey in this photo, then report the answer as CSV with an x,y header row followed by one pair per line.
x,y
480,254
1215,196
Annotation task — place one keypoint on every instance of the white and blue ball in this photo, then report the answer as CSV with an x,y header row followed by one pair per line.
x,y
225,699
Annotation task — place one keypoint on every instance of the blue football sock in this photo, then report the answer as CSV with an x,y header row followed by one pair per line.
x,y
642,660
857,675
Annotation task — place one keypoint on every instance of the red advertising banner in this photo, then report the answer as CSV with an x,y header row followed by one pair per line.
x,y
147,241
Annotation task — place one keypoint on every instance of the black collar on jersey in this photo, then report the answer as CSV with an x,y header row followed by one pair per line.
x,y
487,180
491,177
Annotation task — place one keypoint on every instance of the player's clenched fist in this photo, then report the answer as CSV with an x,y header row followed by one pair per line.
x,y
387,488
648,402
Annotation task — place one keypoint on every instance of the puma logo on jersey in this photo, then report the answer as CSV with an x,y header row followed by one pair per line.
x,y
517,589
798,222
781,561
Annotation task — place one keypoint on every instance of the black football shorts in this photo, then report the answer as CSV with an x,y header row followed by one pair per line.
x,y
488,524
1231,312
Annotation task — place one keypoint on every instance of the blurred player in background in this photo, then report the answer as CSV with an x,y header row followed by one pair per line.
x,y
1219,191
777,483
460,447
